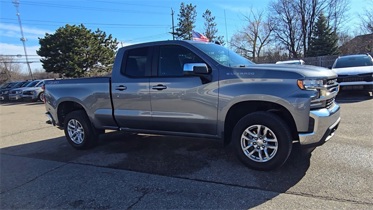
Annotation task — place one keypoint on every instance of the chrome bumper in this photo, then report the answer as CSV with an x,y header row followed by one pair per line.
x,y
326,123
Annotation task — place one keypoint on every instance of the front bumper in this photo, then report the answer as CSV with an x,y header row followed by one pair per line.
x,y
15,97
32,97
4,97
326,122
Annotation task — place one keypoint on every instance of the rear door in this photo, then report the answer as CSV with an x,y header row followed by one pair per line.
x,y
181,102
130,89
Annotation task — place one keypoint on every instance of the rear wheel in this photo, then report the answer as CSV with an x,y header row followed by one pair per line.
x,y
262,141
79,131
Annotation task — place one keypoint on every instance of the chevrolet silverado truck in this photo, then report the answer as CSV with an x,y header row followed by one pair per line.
x,y
355,72
203,90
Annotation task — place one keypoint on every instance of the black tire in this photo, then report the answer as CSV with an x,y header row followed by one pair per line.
x,y
274,139
79,131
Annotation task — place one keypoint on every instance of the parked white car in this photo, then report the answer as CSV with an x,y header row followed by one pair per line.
x,y
16,93
34,93
355,72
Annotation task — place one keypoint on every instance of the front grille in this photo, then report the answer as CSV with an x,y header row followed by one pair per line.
x,y
28,93
355,78
332,85
329,103
320,104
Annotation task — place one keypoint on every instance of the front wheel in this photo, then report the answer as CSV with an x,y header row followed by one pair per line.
x,y
41,96
262,141
79,131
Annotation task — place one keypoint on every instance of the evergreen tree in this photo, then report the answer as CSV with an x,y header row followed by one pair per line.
x,y
324,41
75,51
210,28
187,18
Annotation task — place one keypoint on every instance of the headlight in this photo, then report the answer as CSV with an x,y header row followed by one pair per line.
x,y
19,92
5,92
310,84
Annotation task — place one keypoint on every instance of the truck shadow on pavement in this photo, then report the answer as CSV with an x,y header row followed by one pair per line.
x,y
186,158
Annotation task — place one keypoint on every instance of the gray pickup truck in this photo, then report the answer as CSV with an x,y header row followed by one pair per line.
x,y
197,89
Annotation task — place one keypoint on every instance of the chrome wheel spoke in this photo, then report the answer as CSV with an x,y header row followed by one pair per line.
x,y
247,147
271,147
266,131
251,133
270,140
252,152
259,143
266,153
260,155
75,131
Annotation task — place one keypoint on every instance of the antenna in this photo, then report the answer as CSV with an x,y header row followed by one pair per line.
x,y
23,39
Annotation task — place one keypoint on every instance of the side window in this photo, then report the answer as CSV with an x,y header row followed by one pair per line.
x,y
135,64
172,59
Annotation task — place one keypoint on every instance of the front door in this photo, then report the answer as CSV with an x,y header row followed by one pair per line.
x,y
181,103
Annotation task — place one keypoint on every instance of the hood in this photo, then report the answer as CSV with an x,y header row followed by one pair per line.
x,y
354,70
31,88
304,70
21,88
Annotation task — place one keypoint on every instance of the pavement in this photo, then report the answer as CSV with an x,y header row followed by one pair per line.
x,y
40,170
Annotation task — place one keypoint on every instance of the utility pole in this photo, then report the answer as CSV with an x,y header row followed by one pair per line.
x,y
173,25
23,39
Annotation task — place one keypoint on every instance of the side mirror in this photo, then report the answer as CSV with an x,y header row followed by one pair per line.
x,y
195,68
329,67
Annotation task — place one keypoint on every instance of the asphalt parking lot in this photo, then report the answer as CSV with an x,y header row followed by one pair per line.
x,y
40,170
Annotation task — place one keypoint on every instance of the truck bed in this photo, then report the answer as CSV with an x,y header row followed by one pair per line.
x,y
93,94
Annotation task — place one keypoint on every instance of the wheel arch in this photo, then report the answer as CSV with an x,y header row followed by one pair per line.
x,y
66,107
238,110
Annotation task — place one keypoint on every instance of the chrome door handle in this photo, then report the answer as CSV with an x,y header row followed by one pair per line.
x,y
121,87
159,87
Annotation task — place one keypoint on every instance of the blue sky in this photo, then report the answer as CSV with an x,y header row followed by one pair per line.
x,y
129,21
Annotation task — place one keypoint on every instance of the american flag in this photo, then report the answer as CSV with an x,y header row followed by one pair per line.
x,y
199,37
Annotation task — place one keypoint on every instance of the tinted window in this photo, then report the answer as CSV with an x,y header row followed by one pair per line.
x,y
136,62
353,61
20,84
172,59
25,84
11,85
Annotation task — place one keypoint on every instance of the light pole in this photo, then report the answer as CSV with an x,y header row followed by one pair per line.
x,y
23,39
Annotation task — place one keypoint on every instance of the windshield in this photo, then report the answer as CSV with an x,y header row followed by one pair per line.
x,y
11,85
223,55
18,85
25,84
344,62
32,84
